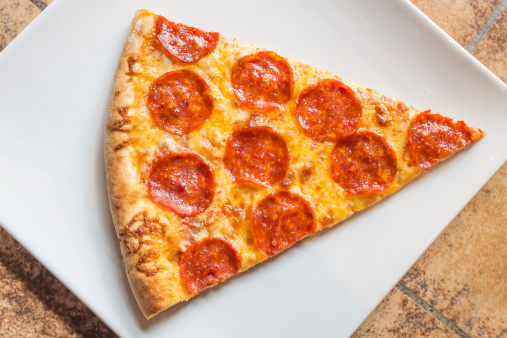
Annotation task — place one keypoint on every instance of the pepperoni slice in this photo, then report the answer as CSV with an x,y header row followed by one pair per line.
x,y
363,163
182,182
328,110
433,138
208,262
256,155
262,81
184,43
180,101
282,219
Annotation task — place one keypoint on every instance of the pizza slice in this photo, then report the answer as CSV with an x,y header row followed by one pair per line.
x,y
220,154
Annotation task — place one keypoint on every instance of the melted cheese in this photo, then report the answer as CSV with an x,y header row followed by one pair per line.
x,y
230,215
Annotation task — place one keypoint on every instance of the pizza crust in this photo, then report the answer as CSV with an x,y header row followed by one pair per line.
x,y
153,238
153,293
159,291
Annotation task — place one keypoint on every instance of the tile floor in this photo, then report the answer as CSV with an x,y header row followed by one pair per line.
x,y
457,288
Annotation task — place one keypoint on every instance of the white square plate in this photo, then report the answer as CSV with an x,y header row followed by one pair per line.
x,y
55,84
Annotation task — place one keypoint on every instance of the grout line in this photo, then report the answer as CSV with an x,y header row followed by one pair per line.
x,y
41,5
431,310
487,25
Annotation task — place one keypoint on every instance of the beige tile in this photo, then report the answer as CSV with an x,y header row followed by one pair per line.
x,y
459,18
15,15
47,2
398,316
22,313
464,272
34,303
492,49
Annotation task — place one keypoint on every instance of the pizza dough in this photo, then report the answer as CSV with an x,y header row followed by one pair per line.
x,y
220,154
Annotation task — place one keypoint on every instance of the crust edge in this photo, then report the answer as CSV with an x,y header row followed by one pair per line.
x,y
150,294
149,291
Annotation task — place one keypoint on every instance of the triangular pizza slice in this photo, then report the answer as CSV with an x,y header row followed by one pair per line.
x,y
220,154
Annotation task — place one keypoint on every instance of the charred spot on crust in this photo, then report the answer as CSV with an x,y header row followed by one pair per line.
x,y
132,59
141,230
116,202
123,144
121,124
143,264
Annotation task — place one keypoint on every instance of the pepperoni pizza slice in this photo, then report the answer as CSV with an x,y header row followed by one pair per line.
x,y
220,154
